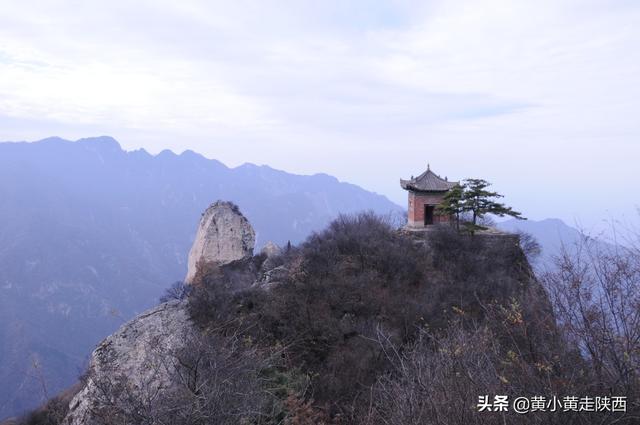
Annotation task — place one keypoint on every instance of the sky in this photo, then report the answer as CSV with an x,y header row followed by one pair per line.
x,y
539,97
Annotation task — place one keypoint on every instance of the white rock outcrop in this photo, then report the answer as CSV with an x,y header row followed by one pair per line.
x,y
137,356
271,249
223,235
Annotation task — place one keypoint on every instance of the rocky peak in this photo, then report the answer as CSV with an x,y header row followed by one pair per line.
x,y
224,235
129,368
271,249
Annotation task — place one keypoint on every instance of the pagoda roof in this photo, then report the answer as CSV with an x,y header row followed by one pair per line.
x,y
427,182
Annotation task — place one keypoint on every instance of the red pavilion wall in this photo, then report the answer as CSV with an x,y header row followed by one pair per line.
x,y
417,201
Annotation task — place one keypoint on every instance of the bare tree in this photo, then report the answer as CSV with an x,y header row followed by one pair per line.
x,y
177,291
596,293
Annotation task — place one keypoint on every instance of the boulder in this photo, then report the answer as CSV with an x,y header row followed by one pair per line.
x,y
132,363
271,250
224,235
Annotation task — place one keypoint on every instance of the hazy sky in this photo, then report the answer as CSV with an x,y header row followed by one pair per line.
x,y
540,97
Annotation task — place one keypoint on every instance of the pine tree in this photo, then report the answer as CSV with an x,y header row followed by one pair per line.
x,y
472,196
480,202
453,204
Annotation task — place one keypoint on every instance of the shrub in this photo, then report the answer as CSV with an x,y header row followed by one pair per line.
x,y
214,379
177,291
357,280
53,411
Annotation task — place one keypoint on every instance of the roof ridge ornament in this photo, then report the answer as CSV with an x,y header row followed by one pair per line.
x,y
427,182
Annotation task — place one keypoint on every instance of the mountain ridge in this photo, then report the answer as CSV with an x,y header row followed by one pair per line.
x,y
91,234
187,153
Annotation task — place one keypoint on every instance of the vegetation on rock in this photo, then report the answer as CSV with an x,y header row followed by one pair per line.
x,y
360,297
371,325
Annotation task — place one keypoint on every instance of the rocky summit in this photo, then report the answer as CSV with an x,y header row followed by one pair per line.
x,y
223,235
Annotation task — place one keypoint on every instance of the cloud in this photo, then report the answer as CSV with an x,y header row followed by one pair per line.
x,y
192,64
477,87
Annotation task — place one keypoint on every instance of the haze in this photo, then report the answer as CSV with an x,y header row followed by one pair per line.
x,y
539,97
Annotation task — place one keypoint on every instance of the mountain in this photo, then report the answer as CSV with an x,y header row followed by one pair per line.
x,y
240,348
91,235
552,234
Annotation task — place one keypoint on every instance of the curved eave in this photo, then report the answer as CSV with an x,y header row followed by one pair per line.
x,y
409,185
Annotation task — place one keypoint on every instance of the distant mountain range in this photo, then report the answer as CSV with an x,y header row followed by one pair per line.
x,y
552,234
91,234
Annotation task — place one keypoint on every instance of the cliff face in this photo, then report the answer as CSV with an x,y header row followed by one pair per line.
x,y
223,235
